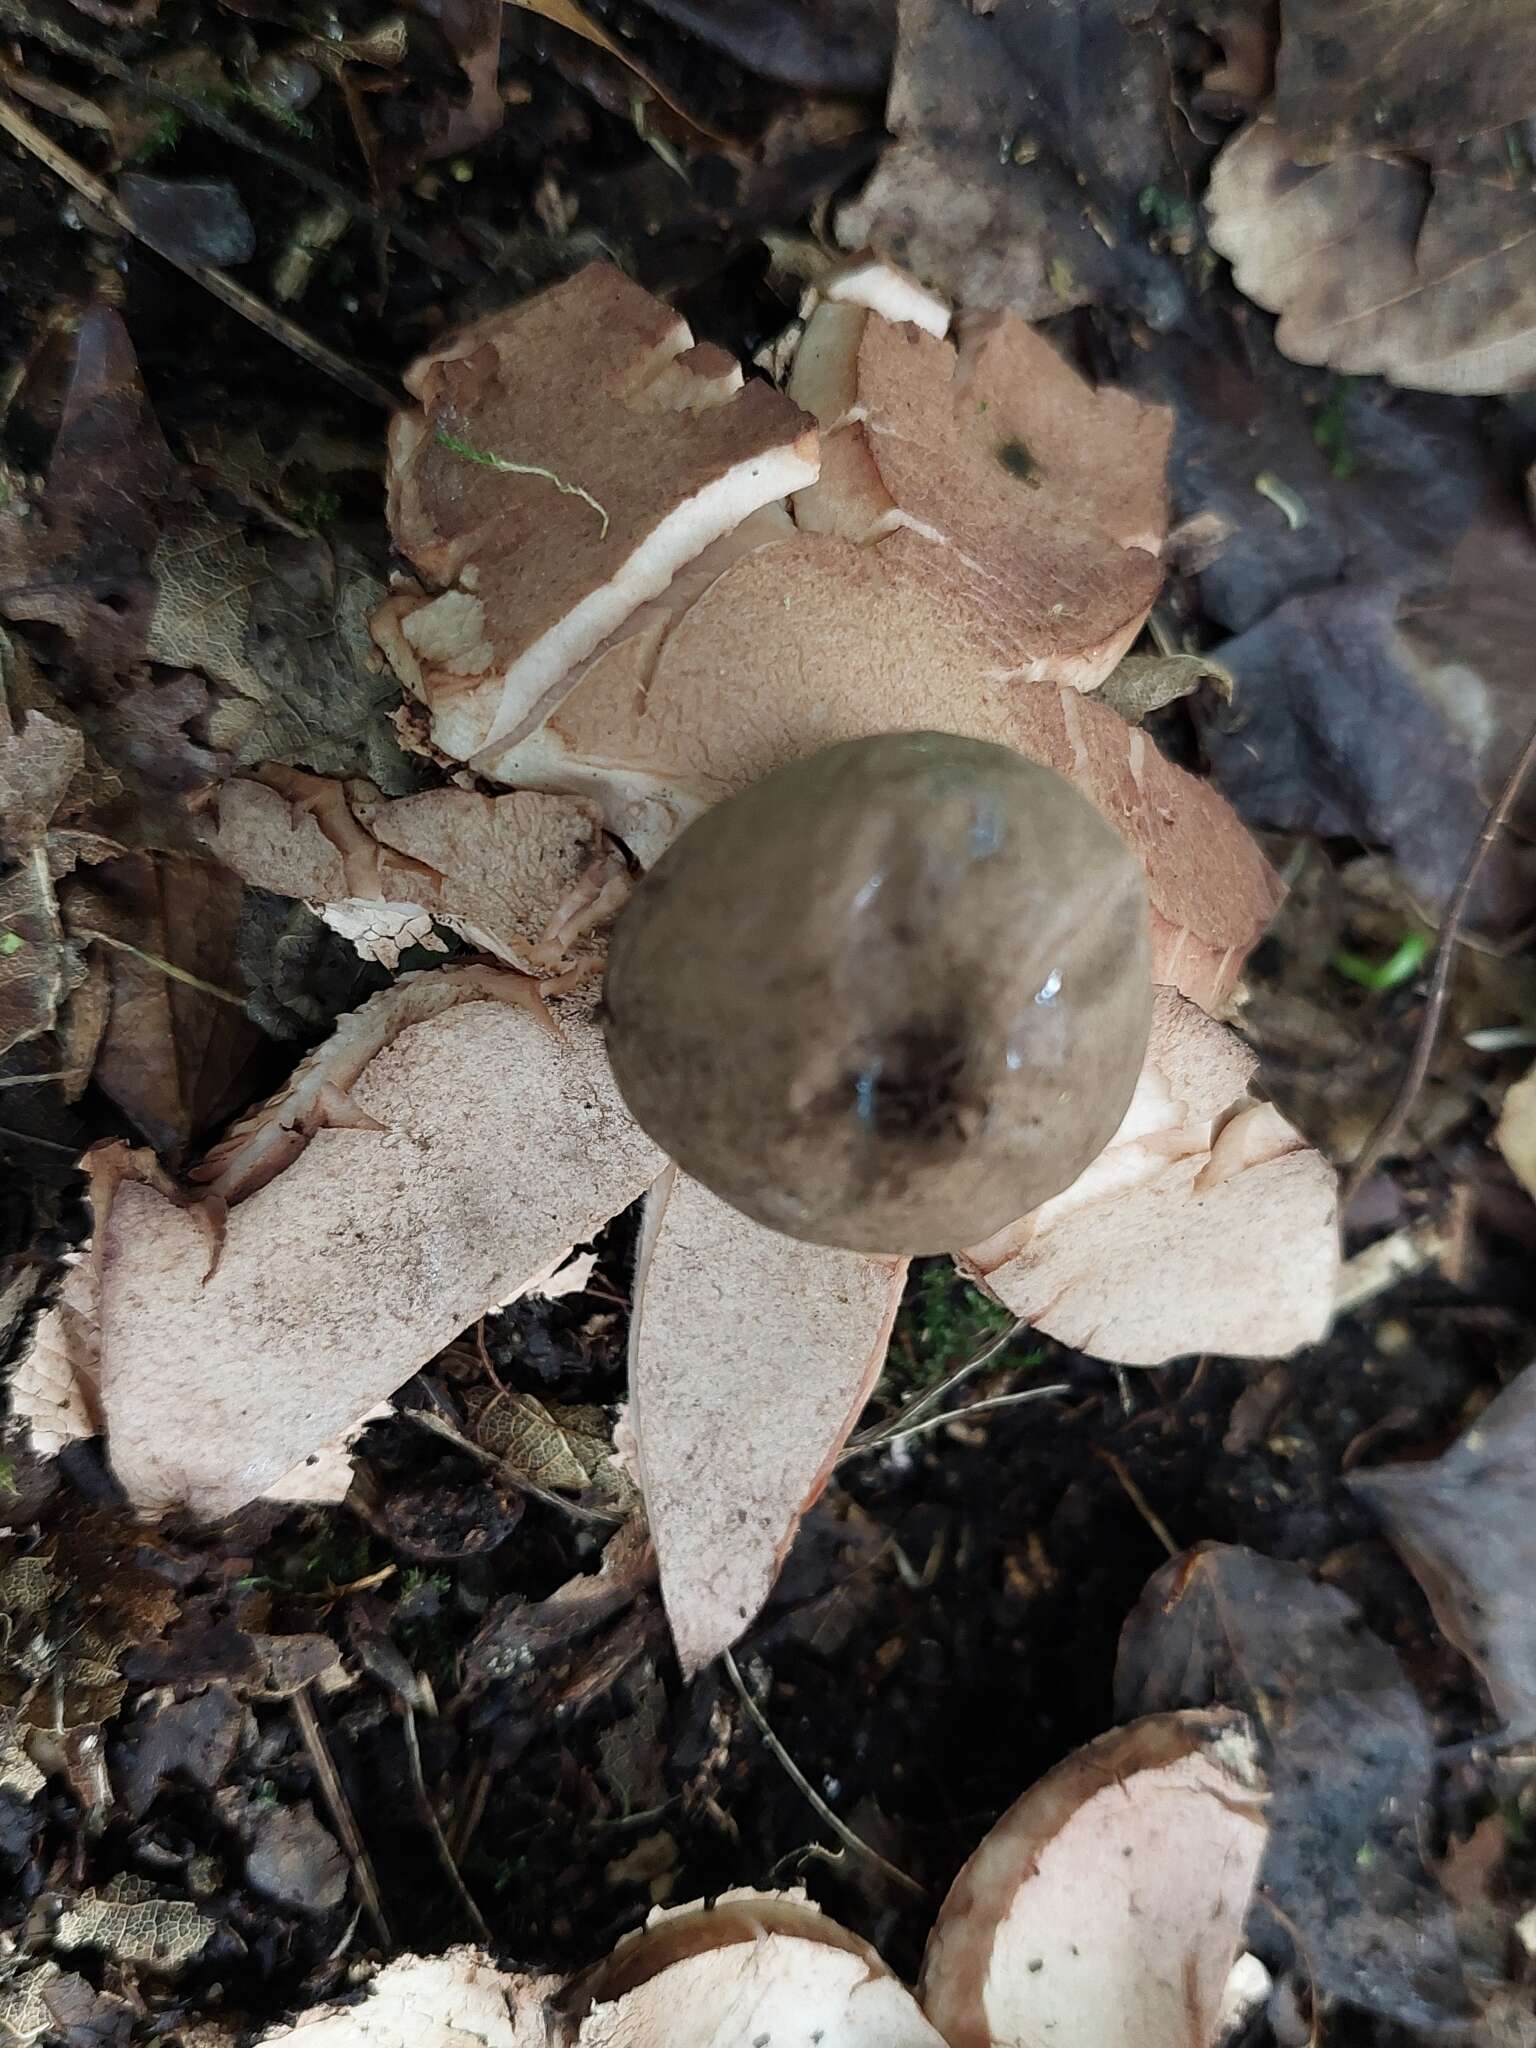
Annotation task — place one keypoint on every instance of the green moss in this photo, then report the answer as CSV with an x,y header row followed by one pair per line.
x,y
943,1322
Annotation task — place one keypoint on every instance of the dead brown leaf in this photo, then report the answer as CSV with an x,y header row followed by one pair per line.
x,y
280,625
130,1922
1025,134
175,1056
36,965
1378,265
1466,1526
1143,683
79,558
1402,72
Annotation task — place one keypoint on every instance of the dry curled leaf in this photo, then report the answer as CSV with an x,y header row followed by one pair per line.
x,y
1466,1526
1378,266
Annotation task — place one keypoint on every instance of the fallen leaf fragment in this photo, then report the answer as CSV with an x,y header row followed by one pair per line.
x,y
1465,1524
522,876
177,1048
1107,1905
456,2000
1206,1224
1029,506
1378,267
751,1355
820,643
477,1144
132,1924
570,456
751,1968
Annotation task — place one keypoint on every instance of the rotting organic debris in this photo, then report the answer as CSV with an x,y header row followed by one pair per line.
x,y
440,1156
1106,1905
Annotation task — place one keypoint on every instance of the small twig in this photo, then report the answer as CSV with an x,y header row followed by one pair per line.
x,y
451,1870
222,286
204,114
507,467
797,1777
472,1809
884,1432
168,967
1390,1128
987,1407
340,1810
43,1080
1140,1503
440,1427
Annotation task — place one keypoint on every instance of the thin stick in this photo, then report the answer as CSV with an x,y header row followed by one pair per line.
x,y
451,1871
872,1438
802,1783
518,1480
1390,1128
987,1407
235,296
1140,1503
340,1810
168,967
205,115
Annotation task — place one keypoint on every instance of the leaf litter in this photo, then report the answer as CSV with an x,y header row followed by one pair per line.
x,y
236,672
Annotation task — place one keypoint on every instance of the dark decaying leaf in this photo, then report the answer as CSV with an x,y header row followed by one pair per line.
x,y
1345,694
280,626
1025,135
195,1738
1379,266
1329,733
1465,1524
1381,483
1404,72
35,962
292,1859
194,220
175,1058
1348,1757
840,46
79,558
472,30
